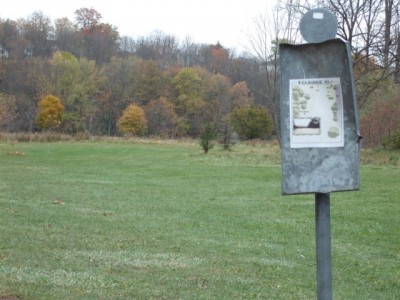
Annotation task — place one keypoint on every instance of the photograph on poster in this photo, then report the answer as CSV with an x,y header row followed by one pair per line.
x,y
316,113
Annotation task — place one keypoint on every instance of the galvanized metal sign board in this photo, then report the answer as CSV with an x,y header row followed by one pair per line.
x,y
319,122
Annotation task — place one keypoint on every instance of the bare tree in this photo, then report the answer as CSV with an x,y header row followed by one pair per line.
x,y
370,28
165,48
37,29
12,43
189,50
66,36
127,45
270,29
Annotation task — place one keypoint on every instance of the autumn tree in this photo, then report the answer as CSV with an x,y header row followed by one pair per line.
x,y
133,121
161,117
229,99
86,18
149,83
217,95
64,73
239,94
190,91
100,40
216,58
28,81
219,105
77,82
117,90
50,112
248,69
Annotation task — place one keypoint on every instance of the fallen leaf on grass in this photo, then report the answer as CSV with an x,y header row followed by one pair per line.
x,y
59,202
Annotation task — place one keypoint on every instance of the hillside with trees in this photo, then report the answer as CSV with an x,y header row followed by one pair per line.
x,y
93,80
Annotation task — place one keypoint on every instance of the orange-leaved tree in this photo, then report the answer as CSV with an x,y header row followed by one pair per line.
x,y
133,120
50,114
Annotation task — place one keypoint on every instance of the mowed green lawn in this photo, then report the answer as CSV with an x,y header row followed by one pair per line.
x,y
148,220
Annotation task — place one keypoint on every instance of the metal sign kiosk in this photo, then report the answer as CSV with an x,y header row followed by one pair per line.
x,y
319,126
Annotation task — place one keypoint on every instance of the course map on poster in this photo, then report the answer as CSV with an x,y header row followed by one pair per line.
x,y
316,113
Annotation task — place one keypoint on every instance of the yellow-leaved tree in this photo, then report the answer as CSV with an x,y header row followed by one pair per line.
x,y
133,120
50,114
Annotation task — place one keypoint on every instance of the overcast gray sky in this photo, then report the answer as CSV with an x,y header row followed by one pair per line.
x,y
205,21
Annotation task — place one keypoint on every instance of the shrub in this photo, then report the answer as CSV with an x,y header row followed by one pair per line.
x,y
207,135
226,137
380,119
392,141
252,122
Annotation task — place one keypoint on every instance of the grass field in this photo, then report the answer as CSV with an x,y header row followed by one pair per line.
x,y
148,220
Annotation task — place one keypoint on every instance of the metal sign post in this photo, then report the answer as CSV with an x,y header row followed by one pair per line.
x,y
323,246
319,126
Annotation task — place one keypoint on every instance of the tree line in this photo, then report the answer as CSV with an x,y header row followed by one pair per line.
x,y
97,75
180,85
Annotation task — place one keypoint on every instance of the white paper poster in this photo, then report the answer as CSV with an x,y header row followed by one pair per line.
x,y
316,113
